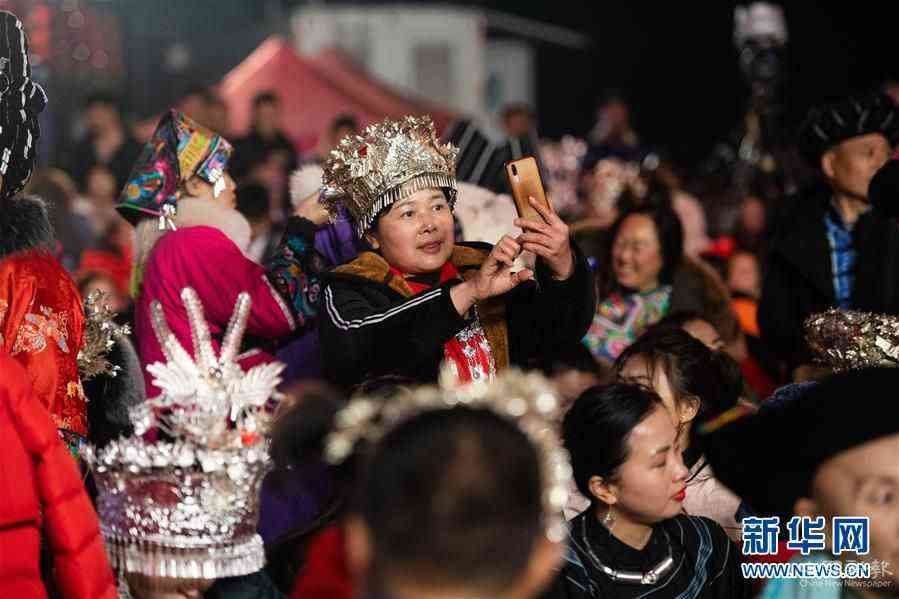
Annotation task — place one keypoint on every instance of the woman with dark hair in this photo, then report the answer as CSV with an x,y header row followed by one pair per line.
x,y
760,383
644,276
695,385
695,325
418,299
633,540
634,280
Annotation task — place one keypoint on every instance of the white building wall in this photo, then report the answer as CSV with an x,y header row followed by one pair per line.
x,y
511,75
399,44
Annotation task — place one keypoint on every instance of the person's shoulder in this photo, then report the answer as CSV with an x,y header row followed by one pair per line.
x,y
192,237
367,265
705,528
193,248
33,263
798,210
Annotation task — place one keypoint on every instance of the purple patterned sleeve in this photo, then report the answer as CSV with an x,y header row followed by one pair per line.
x,y
295,267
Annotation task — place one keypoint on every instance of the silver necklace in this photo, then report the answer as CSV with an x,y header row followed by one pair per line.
x,y
651,576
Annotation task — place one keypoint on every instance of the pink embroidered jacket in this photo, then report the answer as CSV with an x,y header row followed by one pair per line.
x,y
284,292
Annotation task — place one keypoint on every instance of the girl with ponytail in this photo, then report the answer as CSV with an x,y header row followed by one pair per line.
x,y
696,384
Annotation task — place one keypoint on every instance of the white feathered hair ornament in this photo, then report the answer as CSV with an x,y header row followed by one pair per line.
x,y
304,182
209,398
185,506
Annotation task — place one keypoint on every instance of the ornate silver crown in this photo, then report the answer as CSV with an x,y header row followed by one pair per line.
x,y
100,333
186,508
390,161
849,339
528,399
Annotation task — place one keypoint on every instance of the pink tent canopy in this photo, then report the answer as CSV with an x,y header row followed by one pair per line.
x,y
313,92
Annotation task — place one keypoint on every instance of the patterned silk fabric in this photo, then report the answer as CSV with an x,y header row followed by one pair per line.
x,y
42,328
620,319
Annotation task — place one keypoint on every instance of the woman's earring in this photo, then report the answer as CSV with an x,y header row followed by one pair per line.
x,y
609,519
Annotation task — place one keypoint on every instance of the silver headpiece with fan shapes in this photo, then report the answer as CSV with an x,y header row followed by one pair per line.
x,y
186,506
390,161
526,398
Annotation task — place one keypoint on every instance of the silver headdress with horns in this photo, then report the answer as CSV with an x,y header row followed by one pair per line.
x,y
526,398
849,340
187,508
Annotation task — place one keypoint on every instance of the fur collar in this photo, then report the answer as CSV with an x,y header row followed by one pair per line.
x,y
196,212
24,225
373,267
192,212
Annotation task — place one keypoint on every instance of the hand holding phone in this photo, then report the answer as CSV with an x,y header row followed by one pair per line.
x,y
525,182
545,234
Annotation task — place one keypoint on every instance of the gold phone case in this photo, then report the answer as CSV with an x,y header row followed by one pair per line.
x,y
524,180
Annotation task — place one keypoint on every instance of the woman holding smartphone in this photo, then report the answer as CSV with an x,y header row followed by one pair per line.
x,y
417,298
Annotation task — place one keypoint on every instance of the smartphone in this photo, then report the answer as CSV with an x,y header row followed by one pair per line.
x,y
524,180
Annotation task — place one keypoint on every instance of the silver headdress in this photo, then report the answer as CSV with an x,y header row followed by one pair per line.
x,y
849,340
390,161
186,509
100,333
526,398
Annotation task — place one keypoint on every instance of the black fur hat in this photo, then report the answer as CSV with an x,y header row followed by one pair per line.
x,y
830,124
770,459
110,397
21,101
24,225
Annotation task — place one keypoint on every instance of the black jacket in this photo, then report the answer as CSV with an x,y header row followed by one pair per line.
x,y
707,564
372,325
799,274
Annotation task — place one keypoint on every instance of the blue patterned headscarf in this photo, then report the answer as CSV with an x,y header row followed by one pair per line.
x,y
179,150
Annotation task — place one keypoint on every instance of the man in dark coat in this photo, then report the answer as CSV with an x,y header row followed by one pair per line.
x,y
828,249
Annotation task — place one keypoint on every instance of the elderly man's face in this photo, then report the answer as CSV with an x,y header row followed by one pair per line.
x,y
864,481
851,165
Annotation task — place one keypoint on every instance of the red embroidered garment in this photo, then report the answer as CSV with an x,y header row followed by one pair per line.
x,y
42,327
468,353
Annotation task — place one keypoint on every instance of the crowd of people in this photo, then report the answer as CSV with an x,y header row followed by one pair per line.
x,y
232,369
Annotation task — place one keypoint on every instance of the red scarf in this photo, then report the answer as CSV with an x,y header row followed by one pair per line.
x,y
468,353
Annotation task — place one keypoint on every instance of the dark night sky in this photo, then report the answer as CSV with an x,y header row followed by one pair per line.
x,y
675,61
678,65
